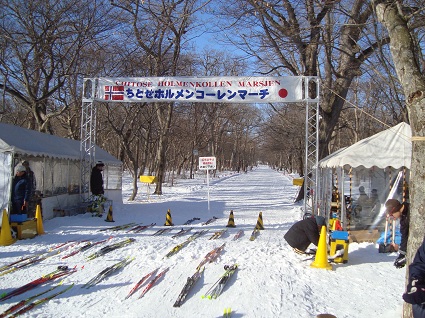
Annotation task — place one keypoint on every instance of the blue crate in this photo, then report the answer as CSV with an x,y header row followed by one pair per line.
x,y
339,235
18,218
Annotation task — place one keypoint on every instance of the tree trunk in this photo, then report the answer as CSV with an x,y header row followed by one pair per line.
x,y
402,46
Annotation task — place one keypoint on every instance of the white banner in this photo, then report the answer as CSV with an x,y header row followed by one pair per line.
x,y
201,89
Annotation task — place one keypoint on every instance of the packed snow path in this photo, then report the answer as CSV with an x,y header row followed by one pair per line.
x,y
271,280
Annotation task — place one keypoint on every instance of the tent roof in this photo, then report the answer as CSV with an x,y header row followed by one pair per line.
x,y
23,141
388,148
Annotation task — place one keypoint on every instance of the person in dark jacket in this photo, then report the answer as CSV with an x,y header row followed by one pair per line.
x,y
398,210
415,291
96,179
305,232
21,191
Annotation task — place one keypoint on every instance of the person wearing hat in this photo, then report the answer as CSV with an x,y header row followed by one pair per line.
x,y
21,191
96,179
305,232
398,210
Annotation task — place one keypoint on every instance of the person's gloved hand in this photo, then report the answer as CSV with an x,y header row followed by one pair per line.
x,y
400,261
415,293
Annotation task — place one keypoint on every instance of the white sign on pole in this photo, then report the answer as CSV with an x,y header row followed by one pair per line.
x,y
207,163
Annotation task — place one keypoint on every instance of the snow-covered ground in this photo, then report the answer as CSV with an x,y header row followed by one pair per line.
x,y
271,280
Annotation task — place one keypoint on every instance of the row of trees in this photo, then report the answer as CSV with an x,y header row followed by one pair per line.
x,y
47,47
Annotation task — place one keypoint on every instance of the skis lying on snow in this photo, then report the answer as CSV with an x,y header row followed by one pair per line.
x,y
254,234
109,248
227,312
153,282
191,281
237,235
118,227
161,231
182,232
191,221
211,256
108,271
218,287
210,220
59,272
141,228
178,247
218,234
38,302
23,302
86,247
36,258
140,282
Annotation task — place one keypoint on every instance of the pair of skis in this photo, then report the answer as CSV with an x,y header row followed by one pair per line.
x,y
218,234
182,232
145,279
191,221
161,231
211,256
85,247
210,220
59,272
140,228
254,234
118,227
26,305
191,281
110,248
218,286
178,247
107,272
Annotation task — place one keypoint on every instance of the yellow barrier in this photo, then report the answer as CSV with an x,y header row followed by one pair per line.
x,y
297,181
148,179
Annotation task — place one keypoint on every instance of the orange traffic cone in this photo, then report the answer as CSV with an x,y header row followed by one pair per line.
x,y
168,219
321,259
6,235
40,229
231,222
109,217
260,225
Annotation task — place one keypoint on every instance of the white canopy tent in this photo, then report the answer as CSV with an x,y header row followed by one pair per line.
x,y
56,165
388,148
373,163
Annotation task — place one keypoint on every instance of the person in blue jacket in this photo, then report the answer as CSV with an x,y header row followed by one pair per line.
x,y
401,211
21,191
415,291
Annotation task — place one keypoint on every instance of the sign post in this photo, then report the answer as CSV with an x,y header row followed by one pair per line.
x,y
207,163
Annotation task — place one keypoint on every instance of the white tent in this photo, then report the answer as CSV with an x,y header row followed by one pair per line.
x,y
56,165
388,148
374,163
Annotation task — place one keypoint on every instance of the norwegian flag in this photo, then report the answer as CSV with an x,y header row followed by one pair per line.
x,y
114,92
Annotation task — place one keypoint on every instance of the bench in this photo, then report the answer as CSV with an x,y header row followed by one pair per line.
x,y
26,229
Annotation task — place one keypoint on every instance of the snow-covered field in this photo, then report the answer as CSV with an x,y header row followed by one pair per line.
x,y
271,280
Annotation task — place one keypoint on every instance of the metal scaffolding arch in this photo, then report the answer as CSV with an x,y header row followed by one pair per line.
x,y
88,135
311,96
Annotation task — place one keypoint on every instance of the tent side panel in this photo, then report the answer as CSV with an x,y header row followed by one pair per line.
x,y
5,179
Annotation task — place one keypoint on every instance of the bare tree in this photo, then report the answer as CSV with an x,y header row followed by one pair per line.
x,y
159,28
400,19
329,39
43,42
